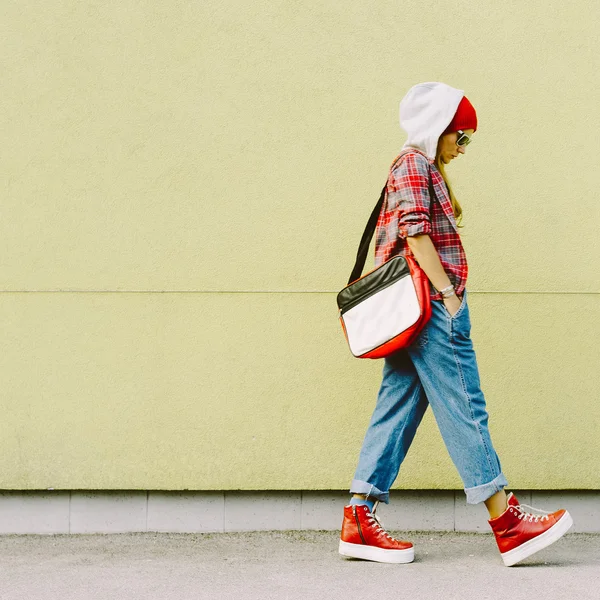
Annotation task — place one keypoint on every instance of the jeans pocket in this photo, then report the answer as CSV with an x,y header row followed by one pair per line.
x,y
461,308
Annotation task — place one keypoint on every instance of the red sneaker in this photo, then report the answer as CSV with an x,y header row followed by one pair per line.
x,y
520,534
363,536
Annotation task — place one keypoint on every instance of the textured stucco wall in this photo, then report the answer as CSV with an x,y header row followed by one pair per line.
x,y
184,188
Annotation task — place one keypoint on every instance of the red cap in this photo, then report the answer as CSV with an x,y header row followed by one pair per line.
x,y
464,118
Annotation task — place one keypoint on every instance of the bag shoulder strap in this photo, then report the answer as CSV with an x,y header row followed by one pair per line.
x,y
367,236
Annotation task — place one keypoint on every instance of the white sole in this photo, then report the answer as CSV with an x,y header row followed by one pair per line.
x,y
538,543
377,554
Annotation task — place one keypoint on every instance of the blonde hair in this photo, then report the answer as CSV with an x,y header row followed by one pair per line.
x,y
455,205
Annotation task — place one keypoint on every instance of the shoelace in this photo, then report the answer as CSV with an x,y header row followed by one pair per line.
x,y
373,518
532,518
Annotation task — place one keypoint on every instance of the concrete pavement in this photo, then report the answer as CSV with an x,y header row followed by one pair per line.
x,y
287,565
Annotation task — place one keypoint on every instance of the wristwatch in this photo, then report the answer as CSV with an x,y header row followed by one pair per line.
x,y
447,292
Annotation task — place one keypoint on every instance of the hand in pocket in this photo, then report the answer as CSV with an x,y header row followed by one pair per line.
x,y
452,304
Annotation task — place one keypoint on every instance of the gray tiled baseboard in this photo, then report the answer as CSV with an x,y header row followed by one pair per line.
x,y
50,512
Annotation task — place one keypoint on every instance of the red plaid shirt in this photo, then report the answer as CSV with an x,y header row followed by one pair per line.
x,y
407,211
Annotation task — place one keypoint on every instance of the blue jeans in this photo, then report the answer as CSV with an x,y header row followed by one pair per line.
x,y
440,369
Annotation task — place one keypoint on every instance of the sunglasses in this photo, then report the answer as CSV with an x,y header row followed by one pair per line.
x,y
463,139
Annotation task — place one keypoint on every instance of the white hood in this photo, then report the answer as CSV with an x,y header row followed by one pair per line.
x,y
426,111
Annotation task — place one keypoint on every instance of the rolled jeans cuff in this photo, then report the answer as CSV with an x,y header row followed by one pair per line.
x,y
479,493
362,487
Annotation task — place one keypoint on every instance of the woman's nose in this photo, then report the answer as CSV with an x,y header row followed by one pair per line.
x,y
462,149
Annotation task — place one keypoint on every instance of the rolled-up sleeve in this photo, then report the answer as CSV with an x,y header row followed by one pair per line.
x,y
408,196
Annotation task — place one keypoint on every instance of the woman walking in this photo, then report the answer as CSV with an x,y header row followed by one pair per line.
x,y
439,368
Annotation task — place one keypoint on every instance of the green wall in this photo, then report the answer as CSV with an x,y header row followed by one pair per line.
x,y
184,188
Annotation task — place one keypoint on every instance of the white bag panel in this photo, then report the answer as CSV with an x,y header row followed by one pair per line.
x,y
382,316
